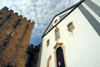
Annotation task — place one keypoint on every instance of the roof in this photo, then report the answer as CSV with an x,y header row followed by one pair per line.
x,y
62,16
72,8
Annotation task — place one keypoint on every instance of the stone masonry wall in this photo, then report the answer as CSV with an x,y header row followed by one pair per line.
x,y
15,33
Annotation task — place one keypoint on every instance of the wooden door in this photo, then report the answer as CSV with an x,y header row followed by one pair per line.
x,y
60,57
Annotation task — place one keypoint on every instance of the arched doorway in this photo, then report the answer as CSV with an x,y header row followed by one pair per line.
x,y
60,57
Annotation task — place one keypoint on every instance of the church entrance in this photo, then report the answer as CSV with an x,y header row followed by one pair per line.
x,y
60,57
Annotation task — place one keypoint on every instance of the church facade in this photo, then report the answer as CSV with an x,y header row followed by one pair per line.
x,y
72,39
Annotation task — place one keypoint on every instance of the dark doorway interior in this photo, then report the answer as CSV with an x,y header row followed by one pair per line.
x,y
60,57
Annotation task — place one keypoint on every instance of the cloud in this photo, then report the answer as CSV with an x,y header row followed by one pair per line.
x,y
39,11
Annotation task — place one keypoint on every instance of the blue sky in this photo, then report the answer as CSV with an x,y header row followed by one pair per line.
x,y
39,11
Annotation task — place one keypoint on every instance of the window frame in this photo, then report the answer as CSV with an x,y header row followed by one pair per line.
x,y
68,26
57,30
48,61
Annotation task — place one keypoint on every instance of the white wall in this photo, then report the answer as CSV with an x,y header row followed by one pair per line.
x,y
82,47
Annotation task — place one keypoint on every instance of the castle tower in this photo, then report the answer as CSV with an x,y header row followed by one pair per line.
x,y
15,33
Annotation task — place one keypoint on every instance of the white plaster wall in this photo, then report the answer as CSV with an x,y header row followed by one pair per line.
x,y
47,51
82,46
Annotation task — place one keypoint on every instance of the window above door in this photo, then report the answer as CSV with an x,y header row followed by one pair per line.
x,y
57,34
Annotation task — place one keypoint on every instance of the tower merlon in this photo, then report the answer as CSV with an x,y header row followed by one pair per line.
x,y
25,18
29,20
20,16
33,22
11,11
16,13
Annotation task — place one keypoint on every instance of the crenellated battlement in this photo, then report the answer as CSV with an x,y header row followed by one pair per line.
x,y
29,20
11,11
19,16
33,22
16,13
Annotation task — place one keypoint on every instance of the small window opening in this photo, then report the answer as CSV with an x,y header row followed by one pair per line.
x,y
16,46
9,16
48,42
1,13
5,27
0,25
27,26
18,39
17,23
55,21
2,49
57,35
5,43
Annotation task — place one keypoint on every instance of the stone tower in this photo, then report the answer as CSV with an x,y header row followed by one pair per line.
x,y
15,33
